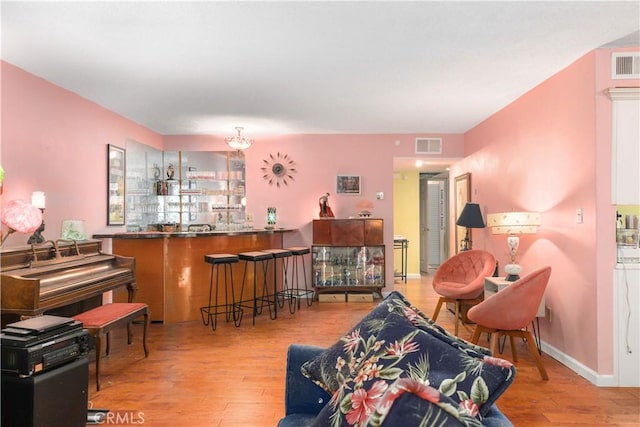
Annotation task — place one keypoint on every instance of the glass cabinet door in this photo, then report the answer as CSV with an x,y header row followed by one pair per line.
x,y
347,266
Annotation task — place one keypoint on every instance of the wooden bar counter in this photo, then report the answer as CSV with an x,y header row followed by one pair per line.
x,y
171,274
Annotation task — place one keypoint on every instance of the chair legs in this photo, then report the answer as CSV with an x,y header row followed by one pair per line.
x,y
524,334
443,300
527,335
458,308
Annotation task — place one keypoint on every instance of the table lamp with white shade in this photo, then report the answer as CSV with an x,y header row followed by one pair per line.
x,y
513,224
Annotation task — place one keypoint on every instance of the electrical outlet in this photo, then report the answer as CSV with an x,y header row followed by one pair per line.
x,y
548,314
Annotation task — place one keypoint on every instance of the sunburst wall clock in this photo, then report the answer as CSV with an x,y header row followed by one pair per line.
x,y
278,169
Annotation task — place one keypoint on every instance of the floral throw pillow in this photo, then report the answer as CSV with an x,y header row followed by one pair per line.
x,y
401,350
405,402
323,369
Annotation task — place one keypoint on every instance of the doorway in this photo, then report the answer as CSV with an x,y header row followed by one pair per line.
x,y
434,233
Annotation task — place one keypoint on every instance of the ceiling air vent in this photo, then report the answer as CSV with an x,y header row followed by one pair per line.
x,y
625,65
428,145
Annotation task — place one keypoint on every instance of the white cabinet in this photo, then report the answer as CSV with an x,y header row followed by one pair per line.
x,y
626,334
625,148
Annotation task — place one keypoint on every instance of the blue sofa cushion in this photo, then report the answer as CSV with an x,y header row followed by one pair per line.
x,y
323,369
402,350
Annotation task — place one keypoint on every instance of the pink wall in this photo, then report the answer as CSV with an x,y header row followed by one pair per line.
x,y
319,159
56,142
549,151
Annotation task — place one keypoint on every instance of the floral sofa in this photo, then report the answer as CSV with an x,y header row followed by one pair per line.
x,y
396,367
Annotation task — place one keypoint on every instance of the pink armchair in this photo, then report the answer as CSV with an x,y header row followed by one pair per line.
x,y
460,280
511,310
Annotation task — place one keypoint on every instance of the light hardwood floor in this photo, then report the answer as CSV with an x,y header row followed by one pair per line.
x,y
235,376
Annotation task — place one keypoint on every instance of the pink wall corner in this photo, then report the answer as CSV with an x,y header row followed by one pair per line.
x,y
55,141
550,151
539,154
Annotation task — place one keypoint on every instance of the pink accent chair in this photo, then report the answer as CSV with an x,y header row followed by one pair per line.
x,y
460,280
510,311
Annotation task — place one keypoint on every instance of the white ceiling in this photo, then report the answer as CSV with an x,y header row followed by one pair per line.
x,y
307,67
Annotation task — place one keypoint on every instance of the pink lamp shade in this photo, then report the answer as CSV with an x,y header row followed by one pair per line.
x,y
20,216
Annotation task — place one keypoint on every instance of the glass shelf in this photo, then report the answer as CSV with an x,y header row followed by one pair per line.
x,y
204,187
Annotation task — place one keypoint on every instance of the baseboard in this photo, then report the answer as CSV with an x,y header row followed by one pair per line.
x,y
587,373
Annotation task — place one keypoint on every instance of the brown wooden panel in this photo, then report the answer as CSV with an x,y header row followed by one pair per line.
x,y
348,232
173,278
322,231
149,255
188,276
373,232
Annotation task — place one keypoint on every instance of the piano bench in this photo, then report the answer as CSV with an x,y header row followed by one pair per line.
x,y
101,320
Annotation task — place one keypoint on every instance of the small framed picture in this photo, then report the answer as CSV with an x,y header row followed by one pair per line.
x,y
348,184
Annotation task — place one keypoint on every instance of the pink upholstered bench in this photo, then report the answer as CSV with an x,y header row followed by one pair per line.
x,y
101,320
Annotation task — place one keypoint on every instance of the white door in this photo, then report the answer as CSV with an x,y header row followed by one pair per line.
x,y
433,226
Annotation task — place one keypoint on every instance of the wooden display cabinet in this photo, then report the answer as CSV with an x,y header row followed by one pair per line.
x,y
348,256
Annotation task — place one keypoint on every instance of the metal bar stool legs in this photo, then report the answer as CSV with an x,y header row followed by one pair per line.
x,y
229,309
253,258
285,293
298,253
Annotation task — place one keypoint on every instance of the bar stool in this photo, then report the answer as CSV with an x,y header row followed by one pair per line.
x,y
286,293
298,253
210,313
254,258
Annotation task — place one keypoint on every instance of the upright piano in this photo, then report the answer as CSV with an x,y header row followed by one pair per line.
x,y
61,277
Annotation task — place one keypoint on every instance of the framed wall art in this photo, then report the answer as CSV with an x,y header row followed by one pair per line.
x,y
462,189
348,184
116,157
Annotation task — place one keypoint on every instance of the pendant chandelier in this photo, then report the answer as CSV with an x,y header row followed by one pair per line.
x,y
239,142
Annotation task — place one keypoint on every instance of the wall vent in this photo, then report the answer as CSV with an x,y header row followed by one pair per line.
x,y
428,145
625,65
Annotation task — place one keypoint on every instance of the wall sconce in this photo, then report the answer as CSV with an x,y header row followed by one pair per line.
x,y
513,223
38,201
470,217
239,142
